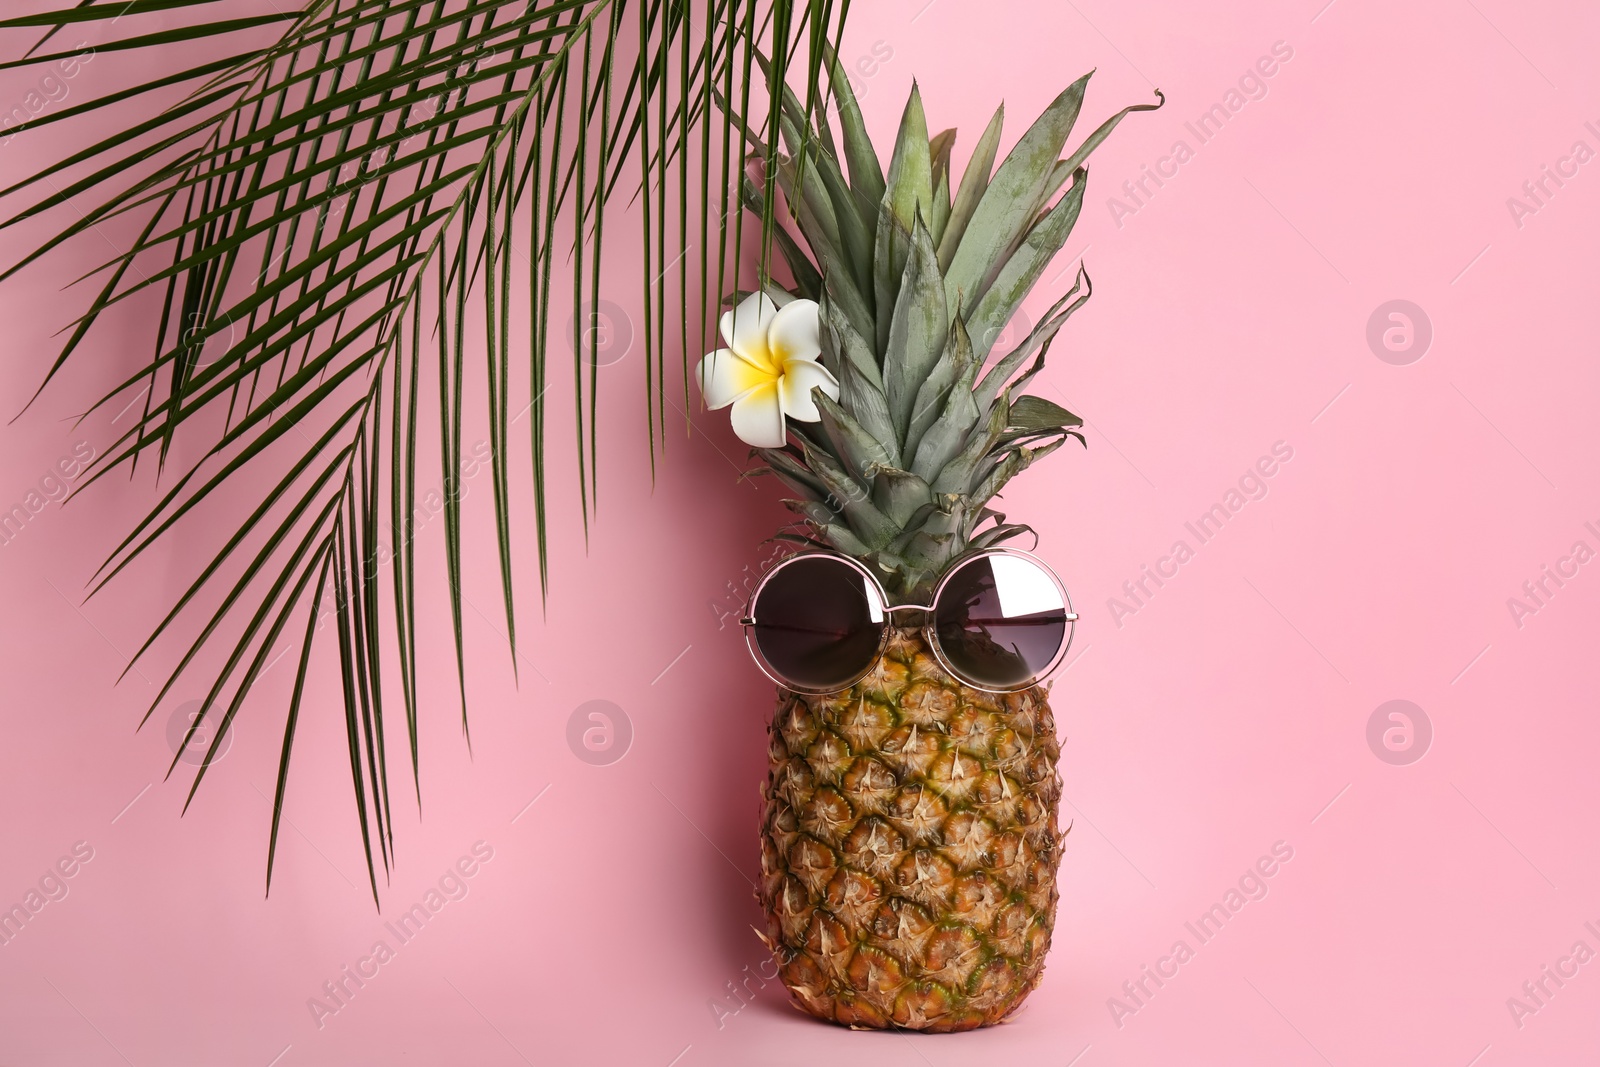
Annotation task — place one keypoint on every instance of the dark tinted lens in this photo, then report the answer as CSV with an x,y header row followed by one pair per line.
x,y
817,626
1000,620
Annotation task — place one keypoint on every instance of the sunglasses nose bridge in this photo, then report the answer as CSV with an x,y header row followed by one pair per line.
x,y
925,610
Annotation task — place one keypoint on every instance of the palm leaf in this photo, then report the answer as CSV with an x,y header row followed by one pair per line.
x,y
321,214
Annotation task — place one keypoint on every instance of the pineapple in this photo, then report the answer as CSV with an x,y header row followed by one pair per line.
x,y
909,847
910,835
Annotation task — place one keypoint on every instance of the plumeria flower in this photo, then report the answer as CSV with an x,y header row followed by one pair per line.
x,y
768,369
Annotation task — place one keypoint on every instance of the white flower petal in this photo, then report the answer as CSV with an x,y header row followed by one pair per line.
x,y
725,376
758,418
800,376
794,332
745,327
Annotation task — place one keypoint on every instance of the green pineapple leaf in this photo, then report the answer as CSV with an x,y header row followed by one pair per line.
x,y
907,197
1018,274
917,331
974,181
957,362
940,146
1038,339
944,438
850,497
898,494
1010,202
849,439
1036,413
866,173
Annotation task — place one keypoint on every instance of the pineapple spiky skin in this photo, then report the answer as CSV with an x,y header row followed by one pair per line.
x,y
910,847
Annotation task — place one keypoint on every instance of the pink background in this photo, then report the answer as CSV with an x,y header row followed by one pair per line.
x,y
1227,714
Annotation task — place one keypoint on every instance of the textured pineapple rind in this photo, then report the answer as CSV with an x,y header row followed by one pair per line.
x,y
910,847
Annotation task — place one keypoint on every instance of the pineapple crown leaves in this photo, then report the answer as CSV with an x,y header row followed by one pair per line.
x,y
916,275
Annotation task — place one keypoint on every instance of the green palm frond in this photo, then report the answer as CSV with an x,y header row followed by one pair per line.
x,y
323,207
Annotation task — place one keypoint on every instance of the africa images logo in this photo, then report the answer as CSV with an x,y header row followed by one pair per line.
x,y
453,885
1252,886
1251,485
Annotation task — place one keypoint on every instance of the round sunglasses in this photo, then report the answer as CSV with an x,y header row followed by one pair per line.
x,y
1000,621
